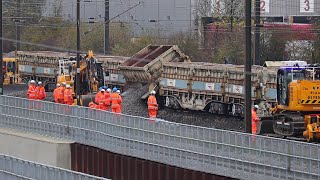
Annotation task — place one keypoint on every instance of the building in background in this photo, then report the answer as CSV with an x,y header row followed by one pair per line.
x,y
163,16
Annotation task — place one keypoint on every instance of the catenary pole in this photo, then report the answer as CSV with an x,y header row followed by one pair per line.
x,y
78,54
106,27
248,64
1,51
257,60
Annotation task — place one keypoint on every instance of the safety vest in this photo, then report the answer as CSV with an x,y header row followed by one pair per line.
x,y
92,105
101,99
61,93
98,97
115,100
32,92
41,92
152,103
254,121
107,98
68,96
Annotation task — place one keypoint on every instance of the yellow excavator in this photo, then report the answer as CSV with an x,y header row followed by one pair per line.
x,y
91,76
297,112
11,71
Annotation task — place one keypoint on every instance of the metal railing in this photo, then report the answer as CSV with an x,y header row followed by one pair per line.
x,y
15,168
215,151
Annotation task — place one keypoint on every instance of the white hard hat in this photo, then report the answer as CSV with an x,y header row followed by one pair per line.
x,y
256,106
118,91
58,85
32,81
153,92
68,86
64,83
39,82
108,90
102,90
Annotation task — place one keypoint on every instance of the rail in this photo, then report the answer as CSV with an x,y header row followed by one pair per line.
x,y
215,151
15,168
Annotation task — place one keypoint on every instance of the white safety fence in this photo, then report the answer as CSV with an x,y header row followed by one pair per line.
x,y
14,168
215,151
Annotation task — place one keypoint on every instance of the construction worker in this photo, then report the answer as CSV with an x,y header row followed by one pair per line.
x,y
102,100
41,91
120,104
56,92
61,93
152,105
93,105
108,98
32,91
97,97
68,99
116,100
254,119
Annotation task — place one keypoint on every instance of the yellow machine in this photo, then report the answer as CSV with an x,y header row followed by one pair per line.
x,y
11,71
298,96
91,76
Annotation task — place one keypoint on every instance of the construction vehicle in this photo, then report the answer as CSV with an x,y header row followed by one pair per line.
x,y
298,102
91,76
11,71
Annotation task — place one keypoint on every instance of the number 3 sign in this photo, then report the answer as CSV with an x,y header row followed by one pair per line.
x,y
307,6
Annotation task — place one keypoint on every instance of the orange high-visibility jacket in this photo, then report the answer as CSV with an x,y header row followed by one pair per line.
x,y
61,94
107,99
254,121
68,99
41,92
152,103
93,105
116,100
98,97
55,94
32,92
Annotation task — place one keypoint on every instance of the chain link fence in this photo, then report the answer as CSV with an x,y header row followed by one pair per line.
x,y
14,168
215,151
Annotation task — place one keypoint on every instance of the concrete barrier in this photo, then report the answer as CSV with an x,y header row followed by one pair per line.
x,y
36,148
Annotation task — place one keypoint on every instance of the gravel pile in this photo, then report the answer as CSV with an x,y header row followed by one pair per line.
x,y
133,105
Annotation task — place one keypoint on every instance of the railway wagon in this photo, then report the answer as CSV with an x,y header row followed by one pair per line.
x,y
146,65
113,75
40,66
216,88
44,66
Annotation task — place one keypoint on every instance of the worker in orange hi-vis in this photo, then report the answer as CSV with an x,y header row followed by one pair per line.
x,y
93,105
152,106
108,99
120,102
32,90
102,100
68,99
254,120
41,91
61,93
32,93
116,100
56,92
97,97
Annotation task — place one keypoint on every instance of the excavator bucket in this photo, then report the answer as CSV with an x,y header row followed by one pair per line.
x,y
265,125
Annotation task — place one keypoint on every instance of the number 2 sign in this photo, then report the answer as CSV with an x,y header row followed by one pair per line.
x,y
264,6
307,6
